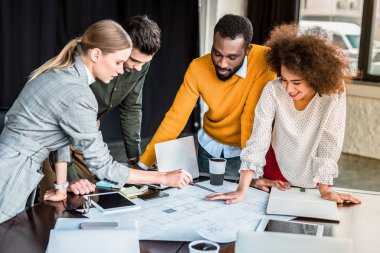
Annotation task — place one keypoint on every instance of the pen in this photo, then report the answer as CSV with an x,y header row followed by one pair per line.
x,y
201,186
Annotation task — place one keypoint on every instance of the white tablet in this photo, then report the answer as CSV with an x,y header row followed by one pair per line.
x,y
111,202
290,227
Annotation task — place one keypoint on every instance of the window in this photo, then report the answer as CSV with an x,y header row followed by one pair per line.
x,y
374,63
354,26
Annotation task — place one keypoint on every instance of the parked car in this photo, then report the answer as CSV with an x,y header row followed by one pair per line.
x,y
347,36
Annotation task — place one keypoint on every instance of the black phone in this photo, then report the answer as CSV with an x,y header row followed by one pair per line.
x,y
153,195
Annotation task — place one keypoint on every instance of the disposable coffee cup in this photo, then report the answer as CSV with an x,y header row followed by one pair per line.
x,y
217,167
203,246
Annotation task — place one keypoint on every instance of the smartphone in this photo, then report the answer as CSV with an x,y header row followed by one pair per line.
x,y
99,225
153,195
267,225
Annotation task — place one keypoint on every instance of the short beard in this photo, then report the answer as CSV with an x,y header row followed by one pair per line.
x,y
225,78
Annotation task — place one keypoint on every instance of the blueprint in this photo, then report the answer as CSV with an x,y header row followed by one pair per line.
x,y
186,216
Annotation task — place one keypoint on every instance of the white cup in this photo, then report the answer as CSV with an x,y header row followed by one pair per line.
x,y
202,246
217,167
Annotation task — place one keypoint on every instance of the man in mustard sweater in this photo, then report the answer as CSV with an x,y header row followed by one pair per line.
x,y
230,81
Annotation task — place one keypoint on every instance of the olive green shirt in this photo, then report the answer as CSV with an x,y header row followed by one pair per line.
x,y
126,91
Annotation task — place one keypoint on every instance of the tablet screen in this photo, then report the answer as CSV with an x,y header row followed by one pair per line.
x,y
111,200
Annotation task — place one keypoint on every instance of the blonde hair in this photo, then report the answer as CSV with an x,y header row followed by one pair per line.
x,y
107,35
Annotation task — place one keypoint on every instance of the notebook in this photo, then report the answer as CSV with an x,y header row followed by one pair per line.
x,y
250,241
177,154
307,203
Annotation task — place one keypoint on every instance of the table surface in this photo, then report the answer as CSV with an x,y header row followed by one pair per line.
x,y
29,230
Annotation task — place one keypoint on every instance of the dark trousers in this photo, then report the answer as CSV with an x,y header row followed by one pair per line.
x,y
232,166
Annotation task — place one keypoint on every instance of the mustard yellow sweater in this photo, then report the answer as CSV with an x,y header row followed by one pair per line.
x,y
229,119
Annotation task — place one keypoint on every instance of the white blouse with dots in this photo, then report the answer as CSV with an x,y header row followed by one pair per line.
x,y
307,143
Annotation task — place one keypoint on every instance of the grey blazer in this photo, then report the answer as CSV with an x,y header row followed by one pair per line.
x,y
54,110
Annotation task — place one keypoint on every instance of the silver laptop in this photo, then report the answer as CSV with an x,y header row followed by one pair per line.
x,y
272,242
93,240
177,154
306,203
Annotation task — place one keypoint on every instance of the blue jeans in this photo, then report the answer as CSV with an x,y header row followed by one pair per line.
x,y
232,166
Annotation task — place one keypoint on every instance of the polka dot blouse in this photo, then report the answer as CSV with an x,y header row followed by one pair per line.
x,y
307,143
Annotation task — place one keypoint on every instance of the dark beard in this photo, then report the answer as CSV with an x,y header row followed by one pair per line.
x,y
224,78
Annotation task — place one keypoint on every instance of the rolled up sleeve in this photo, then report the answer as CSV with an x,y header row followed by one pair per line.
x,y
61,155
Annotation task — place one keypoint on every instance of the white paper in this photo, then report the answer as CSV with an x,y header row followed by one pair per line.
x,y
186,216
227,220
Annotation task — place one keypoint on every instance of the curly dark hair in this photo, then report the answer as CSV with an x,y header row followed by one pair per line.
x,y
145,34
234,26
317,61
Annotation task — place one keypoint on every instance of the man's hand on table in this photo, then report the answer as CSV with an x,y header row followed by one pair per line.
x,y
177,178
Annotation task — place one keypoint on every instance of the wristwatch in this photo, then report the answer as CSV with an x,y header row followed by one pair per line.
x,y
61,186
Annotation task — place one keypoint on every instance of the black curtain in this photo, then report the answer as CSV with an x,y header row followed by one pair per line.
x,y
33,31
266,14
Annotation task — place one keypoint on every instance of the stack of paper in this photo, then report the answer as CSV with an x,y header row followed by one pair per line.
x,y
133,191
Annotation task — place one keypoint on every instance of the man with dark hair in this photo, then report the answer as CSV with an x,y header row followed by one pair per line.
x,y
230,81
124,90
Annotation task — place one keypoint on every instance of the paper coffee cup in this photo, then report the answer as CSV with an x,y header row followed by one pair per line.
x,y
202,246
217,168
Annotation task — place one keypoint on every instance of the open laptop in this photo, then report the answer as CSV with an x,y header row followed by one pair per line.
x,y
177,154
272,242
93,240
302,203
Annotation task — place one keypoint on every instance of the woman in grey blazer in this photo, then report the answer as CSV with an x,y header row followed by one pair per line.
x,y
57,108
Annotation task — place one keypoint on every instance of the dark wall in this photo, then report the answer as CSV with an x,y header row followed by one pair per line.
x,y
33,31
266,14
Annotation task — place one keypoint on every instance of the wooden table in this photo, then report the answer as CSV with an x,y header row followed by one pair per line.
x,y
29,230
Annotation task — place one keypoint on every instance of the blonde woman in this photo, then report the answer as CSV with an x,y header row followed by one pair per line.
x,y
57,108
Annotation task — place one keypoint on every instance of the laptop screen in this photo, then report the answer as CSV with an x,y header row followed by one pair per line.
x,y
177,154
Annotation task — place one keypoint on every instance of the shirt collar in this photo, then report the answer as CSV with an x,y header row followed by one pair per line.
x,y
90,78
242,72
